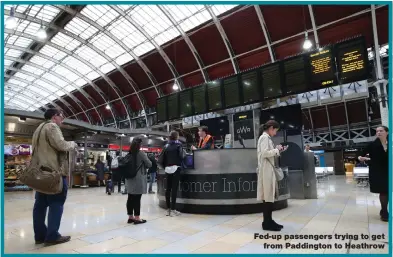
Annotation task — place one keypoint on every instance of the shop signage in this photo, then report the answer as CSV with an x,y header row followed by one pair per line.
x,y
17,150
17,140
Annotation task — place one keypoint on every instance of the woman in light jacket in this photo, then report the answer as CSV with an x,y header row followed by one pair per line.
x,y
137,185
267,183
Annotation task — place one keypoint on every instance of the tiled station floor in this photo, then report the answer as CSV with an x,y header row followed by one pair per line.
x,y
97,224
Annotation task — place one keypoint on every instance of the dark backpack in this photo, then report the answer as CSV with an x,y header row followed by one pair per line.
x,y
127,166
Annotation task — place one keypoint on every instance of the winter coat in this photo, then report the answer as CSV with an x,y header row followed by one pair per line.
x,y
267,189
138,184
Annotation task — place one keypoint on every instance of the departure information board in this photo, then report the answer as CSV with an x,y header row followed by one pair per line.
x,y
250,87
214,95
295,73
342,63
173,106
271,81
231,91
161,109
351,58
199,96
323,71
185,103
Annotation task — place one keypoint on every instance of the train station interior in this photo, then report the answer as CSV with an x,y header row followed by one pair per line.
x,y
120,74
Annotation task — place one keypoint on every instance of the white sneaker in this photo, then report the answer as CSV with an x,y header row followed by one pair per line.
x,y
176,213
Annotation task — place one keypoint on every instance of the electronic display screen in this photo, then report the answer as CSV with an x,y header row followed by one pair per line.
x,y
185,103
216,126
295,75
173,106
199,96
231,92
161,109
271,81
323,72
289,117
214,95
250,87
351,57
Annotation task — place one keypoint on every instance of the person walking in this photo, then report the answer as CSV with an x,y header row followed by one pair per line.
x,y
51,151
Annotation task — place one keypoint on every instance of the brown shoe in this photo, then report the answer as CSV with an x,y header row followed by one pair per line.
x,y
60,240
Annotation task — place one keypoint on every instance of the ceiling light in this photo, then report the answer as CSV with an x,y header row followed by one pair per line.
x,y
307,43
11,22
108,107
22,119
175,86
41,33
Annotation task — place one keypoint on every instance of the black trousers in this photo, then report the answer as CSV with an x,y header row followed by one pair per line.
x,y
134,205
172,183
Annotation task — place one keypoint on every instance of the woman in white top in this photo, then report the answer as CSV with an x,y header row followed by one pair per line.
x,y
267,183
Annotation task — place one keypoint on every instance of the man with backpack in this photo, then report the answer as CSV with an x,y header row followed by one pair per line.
x,y
116,175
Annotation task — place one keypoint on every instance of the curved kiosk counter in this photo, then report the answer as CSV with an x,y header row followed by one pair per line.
x,y
223,181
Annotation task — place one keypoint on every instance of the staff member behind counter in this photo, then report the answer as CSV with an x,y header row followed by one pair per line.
x,y
205,141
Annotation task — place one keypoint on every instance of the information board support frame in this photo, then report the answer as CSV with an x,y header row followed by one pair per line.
x,y
314,27
376,43
328,120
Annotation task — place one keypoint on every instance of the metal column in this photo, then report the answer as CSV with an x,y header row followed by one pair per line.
x,y
328,120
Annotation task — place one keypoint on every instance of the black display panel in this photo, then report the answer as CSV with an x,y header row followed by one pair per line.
x,y
217,126
295,75
199,99
162,109
271,81
289,117
185,103
173,106
214,95
351,58
323,70
231,91
250,87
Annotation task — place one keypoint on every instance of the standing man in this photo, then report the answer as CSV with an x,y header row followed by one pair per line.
x,y
51,152
152,172
205,141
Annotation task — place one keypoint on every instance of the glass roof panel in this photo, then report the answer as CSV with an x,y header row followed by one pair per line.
x,y
12,52
107,68
18,102
7,62
92,75
48,13
65,73
69,88
32,69
91,56
17,82
53,52
102,14
219,9
45,85
122,59
19,41
24,99
151,19
59,93
80,82
72,62
39,90
32,28
42,61
24,76
65,41
107,45
51,98
22,26
167,36
143,48
81,28
58,81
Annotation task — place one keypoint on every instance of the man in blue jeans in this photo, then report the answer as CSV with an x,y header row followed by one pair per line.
x,y
152,172
50,151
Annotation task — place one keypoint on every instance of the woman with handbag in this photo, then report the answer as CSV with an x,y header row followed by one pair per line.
x,y
268,174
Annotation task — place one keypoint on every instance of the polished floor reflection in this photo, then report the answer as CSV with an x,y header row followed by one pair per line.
x,y
97,224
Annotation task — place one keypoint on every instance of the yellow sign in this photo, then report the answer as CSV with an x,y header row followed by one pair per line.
x,y
17,140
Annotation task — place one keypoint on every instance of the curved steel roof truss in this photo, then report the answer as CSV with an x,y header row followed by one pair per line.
x,y
265,32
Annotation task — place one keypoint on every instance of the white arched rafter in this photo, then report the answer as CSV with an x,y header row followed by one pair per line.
x,y
48,71
154,43
265,32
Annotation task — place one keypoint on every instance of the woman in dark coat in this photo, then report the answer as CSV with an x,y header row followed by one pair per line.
x,y
378,160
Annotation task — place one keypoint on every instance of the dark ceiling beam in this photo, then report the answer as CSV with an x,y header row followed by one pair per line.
x,y
61,20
